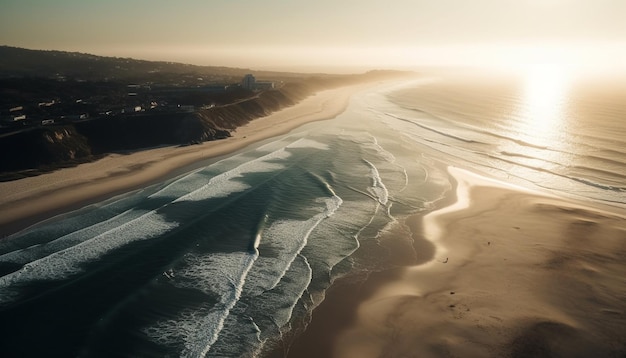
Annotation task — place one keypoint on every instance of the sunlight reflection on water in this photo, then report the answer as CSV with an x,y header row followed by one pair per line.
x,y
541,118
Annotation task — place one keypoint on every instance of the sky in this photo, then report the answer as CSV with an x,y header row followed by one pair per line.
x,y
325,34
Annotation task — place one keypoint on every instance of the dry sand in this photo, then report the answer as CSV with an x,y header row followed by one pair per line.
x,y
27,201
502,272
512,274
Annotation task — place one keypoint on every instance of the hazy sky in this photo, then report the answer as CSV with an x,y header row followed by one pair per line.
x,y
361,33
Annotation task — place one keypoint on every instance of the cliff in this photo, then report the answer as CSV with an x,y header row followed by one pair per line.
x,y
29,152
42,148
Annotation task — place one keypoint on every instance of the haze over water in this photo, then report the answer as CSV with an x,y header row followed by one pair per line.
x,y
233,257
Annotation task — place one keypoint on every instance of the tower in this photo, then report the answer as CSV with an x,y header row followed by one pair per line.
x,y
248,82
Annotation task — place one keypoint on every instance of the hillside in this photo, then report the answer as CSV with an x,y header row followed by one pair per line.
x,y
19,62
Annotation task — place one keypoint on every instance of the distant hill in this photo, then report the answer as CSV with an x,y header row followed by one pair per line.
x,y
19,62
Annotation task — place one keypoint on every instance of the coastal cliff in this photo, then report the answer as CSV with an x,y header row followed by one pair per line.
x,y
60,109
29,152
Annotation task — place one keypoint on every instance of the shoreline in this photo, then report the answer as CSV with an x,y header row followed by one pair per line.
x,y
498,270
512,272
31,200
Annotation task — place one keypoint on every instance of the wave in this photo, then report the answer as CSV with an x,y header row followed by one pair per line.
x,y
290,142
61,257
543,184
35,252
232,270
65,224
233,275
226,182
280,237
619,177
389,157
378,188
308,143
614,188
249,244
69,261
440,132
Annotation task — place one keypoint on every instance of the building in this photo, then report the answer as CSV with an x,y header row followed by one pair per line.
x,y
250,83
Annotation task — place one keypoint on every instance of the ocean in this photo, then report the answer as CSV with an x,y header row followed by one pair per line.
x,y
231,258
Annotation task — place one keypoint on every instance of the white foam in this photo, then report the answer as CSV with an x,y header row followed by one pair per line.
x,y
378,188
217,273
290,143
219,187
225,184
274,146
36,252
180,186
289,237
273,310
231,274
64,263
199,342
200,180
344,227
308,143
389,157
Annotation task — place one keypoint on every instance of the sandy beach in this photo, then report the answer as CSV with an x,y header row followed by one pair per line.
x,y
27,201
511,273
494,271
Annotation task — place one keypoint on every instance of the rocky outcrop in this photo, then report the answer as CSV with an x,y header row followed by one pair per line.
x,y
43,147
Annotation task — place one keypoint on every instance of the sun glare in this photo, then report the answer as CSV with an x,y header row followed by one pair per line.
x,y
539,120
544,96
541,117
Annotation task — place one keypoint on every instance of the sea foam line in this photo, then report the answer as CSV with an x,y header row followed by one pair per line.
x,y
440,132
378,187
209,189
201,340
389,157
64,263
214,188
303,231
219,186
38,251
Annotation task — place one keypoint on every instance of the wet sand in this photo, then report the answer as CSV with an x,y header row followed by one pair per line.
x,y
27,201
511,273
497,272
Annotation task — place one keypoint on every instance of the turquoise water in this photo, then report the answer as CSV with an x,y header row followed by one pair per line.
x,y
228,259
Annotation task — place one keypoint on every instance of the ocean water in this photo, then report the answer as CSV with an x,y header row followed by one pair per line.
x,y
546,128
231,258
